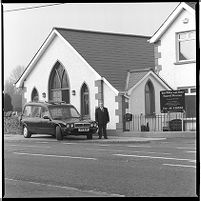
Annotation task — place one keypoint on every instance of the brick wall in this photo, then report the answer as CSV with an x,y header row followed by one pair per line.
x,y
99,95
122,105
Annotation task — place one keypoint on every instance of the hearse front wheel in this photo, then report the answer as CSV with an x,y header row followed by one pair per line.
x,y
59,135
26,133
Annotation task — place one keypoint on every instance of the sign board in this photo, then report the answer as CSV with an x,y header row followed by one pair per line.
x,y
172,101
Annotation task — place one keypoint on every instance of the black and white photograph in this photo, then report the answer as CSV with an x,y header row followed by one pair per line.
x,y
99,100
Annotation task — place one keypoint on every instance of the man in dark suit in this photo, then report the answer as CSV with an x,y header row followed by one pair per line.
x,y
102,118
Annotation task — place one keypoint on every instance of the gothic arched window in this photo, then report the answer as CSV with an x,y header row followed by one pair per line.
x,y
34,95
84,100
149,98
58,84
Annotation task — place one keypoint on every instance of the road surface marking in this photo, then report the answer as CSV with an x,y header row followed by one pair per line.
x,y
104,145
36,140
42,142
152,152
97,149
179,165
186,148
157,157
190,151
70,188
192,161
12,145
128,150
69,143
138,146
59,156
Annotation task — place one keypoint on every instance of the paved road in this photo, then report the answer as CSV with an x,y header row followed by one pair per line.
x,y
44,167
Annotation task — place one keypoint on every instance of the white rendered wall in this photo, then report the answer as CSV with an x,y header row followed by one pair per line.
x,y
137,96
77,70
176,75
109,102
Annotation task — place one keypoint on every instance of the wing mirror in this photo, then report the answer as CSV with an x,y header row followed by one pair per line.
x,y
20,117
46,117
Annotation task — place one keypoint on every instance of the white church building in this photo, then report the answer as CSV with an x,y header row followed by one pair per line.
x,y
126,71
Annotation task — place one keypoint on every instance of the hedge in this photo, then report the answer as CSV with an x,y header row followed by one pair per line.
x,y
11,125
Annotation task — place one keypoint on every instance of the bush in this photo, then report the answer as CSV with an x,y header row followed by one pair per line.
x,y
12,125
7,103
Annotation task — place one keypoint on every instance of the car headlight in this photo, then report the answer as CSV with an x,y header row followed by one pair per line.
x,y
67,125
71,125
93,124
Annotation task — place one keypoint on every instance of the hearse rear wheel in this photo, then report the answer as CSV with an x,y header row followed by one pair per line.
x,y
26,133
59,135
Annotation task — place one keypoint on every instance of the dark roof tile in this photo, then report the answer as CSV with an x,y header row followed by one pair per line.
x,y
111,55
135,76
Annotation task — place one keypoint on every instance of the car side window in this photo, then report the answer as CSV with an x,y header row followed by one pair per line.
x,y
36,111
27,111
44,112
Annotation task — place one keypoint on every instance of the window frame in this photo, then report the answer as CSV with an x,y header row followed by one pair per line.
x,y
59,72
82,103
177,40
193,90
152,102
34,94
32,109
189,90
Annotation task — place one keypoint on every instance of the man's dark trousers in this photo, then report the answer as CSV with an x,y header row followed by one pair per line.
x,y
102,130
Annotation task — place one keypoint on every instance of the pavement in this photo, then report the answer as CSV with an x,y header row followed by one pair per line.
x,y
119,139
111,139
126,137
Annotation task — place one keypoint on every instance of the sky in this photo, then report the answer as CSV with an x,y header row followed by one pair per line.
x,y
25,30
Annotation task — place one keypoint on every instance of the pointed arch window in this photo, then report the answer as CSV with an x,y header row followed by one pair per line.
x,y
34,95
59,84
84,100
149,99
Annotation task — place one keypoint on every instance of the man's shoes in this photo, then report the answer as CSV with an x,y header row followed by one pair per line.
x,y
99,138
105,137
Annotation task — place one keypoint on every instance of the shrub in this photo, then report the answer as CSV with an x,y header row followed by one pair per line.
x,y
11,125
7,103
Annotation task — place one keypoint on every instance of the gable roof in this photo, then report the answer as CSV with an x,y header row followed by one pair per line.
x,y
135,77
110,55
189,6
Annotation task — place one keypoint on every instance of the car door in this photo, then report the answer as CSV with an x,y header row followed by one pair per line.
x,y
46,125
35,119
26,117
31,118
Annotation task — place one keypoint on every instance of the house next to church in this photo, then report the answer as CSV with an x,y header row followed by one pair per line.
x,y
175,52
